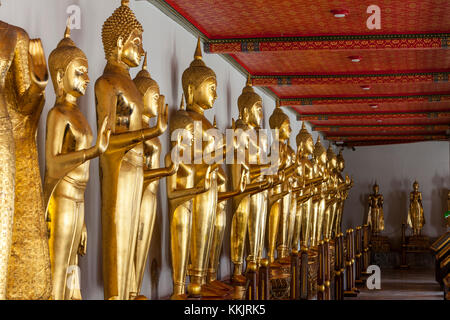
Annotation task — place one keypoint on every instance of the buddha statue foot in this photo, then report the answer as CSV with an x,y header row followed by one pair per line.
x,y
140,297
178,297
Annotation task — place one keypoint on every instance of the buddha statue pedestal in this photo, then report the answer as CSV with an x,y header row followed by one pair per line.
x,y
313,269
280,279
380,243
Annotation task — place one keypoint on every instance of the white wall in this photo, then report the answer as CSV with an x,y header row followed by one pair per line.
x,y
394,168
170,49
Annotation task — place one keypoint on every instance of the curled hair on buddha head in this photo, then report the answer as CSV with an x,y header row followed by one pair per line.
x,y
248,97
196,73
144,81
278,117
119,25
60,58
303,136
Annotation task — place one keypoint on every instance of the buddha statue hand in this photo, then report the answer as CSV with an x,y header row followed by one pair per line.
x,y
103,137
82,248
163,115
38,65
245,178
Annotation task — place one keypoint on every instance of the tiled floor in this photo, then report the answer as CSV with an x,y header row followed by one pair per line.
x,y
413,284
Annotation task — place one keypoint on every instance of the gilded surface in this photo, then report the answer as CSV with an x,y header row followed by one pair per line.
x,y
416,218
68,151
23,93
375,217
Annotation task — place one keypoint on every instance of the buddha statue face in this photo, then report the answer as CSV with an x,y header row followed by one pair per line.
x,y
204,95
416,186
131,50
74,80
340,162
376,189
151,99
285,130
255,114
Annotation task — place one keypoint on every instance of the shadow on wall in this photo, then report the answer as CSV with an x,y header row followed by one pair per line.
x,y
396,210
438,203
174,72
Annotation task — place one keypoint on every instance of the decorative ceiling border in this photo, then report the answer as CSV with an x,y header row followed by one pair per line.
x,y
371,116
317,79
387,127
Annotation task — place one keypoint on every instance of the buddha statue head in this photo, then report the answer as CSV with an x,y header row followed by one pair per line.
x,y
199,82
279,120
68,68
340,161
416,186
305,142
122,37
250,106
320,154
331,159
376,189
149,89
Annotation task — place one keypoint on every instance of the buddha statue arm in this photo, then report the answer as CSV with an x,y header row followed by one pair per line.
x,y
30,72
151,175
59,164
107,100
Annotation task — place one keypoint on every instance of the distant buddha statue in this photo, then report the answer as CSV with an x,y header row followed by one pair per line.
x,y
416,219
375,218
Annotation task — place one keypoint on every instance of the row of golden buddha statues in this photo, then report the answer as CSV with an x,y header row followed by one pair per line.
x,y
42,228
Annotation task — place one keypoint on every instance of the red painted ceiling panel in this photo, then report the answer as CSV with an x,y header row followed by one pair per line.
x,y
263,18
332,62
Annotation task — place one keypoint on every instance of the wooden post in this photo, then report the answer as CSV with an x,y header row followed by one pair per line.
x,y
321,273
365,245
349,292
327,271
303,294
358,256
264,284
339,268
252,293
295,279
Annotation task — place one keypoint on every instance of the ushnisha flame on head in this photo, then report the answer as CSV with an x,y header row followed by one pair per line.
x,y
248,97
143,80
319,150
63,55
303,136
119,25
197,72
278,117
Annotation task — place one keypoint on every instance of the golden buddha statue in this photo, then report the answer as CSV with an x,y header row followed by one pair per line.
x,y
249,210
23,81
153,101
305,170
319,202
67,154
281,219
221,219
333,195
416,218
121,166
192,191
343,192
375,217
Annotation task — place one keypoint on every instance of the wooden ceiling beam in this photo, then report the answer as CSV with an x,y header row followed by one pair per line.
x,y
371,116
386,137
356,128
